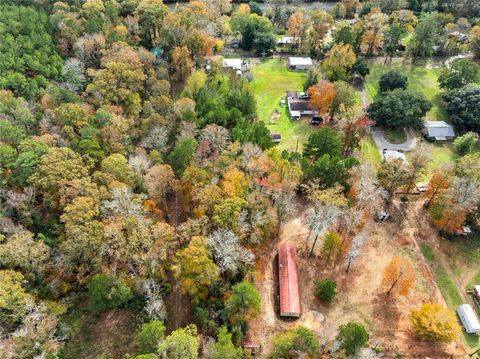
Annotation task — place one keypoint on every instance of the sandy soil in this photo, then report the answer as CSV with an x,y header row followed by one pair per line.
x,y
359,298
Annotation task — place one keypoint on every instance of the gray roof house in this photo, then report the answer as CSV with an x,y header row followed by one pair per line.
x,y
438,131
299,105
300,63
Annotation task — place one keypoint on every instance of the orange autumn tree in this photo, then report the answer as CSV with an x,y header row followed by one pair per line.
x,y
439,182
322,96
295,25
448,219
398,276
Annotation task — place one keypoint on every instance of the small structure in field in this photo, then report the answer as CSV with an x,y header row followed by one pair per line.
x,y
468,318
300,63
237,65
251,347
289,292
276,138
287,40
464,231
438,131
394,155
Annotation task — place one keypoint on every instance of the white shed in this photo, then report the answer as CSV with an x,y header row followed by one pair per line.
x,y
234,64
468,318
300,63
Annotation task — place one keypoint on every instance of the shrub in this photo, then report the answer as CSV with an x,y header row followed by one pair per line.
x,y
464,144
108,292
392,80
149,336
352,337
325,289
299,340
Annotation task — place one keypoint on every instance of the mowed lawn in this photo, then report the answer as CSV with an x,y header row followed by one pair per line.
x,y
271,80
420,79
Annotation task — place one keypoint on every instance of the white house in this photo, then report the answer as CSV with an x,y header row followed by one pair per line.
x,y
438,131
300,63
233,64
287,40
468,318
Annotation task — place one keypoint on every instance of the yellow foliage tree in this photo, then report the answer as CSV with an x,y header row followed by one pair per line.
x,y
398,276
435,322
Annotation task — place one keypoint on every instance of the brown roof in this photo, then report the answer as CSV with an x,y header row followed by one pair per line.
x,y
299,105
288,281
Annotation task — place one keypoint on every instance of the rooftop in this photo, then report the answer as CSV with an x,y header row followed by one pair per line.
x,y
300,61
439,129
288,281
233,63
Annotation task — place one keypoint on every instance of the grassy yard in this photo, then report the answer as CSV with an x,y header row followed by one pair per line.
x,y
420,79
461,254
369,152
271,79
395,135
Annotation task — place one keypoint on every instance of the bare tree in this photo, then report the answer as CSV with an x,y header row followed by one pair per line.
x,y
370,195
355,249
465,193
140,163
319,218
122,202
154,303
217,136
416,167
228,252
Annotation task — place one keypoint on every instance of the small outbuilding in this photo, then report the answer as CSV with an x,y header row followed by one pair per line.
x,y
289,292
438,131
468,318
300,63
233,64
276,138
394,155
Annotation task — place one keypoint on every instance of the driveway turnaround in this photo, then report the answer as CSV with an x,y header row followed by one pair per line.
x,y
382,143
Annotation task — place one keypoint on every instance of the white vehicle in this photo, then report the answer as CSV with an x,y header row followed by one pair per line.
x,y
382,216
468,318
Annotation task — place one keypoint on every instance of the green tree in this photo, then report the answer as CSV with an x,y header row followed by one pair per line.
x,y
116,166
324,141
464,144
325,289
352,337
345,98
150,336
460,73
332,245
180,344
392,80
425,36
28,57
182,154
391,41
224,348
290,343
244,303
399,108
256,133
108,292
150,15
339,62
463,107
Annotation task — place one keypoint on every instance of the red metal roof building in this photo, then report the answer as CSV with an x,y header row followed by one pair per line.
x,y
288,281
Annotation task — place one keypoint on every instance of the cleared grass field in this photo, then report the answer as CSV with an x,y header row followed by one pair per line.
x,y
448,275
271,80
420,79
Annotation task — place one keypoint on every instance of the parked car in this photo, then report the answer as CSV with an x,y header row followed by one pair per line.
x,y
382,216
276,137
316,121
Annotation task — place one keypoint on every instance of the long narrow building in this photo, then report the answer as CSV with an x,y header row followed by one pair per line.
x,y
289,291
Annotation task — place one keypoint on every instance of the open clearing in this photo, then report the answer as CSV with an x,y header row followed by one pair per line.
x,y
420,79
387,319
271,80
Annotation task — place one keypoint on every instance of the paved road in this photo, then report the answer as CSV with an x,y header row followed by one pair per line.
x,y
379,137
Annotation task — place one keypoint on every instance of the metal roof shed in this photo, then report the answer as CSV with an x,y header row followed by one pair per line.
x,y
468,318
288,281
300,63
